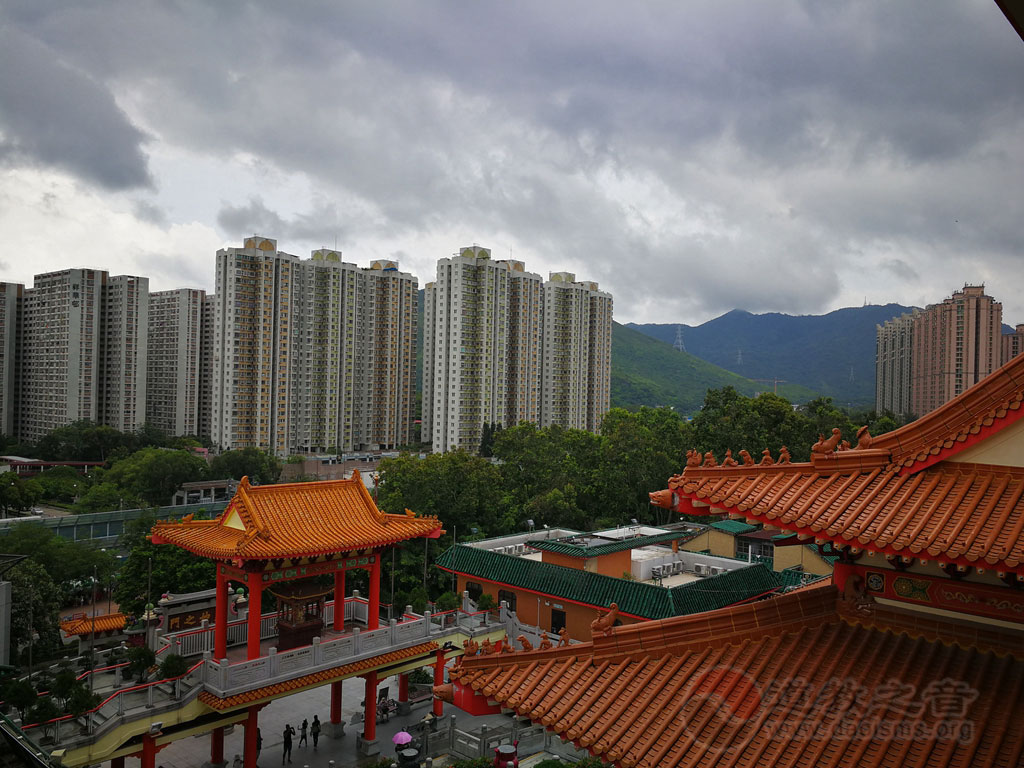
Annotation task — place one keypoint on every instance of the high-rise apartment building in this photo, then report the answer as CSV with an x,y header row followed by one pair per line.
x,y
465,368
61,358
501,346
893,366
124,349
525,345
599,358
956,345
311,355
946,348
10,332
174,374
1013,344
207,324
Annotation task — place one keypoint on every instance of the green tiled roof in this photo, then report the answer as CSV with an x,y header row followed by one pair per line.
x,y
792,578
734,527
575,550
633,597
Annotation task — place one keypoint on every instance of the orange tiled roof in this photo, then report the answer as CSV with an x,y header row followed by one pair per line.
x,y
965,513
995,397
77,625
259,694
295,520
783,682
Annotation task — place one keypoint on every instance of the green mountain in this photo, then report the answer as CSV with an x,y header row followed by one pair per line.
x,y
646,371
833,354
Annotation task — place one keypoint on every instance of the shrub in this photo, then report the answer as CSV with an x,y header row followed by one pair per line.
x,y
476,762
486,602
551,762
421,676
173,666
140,659
44,709
447,601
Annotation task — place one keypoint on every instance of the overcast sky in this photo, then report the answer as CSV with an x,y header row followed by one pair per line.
x,y
693,157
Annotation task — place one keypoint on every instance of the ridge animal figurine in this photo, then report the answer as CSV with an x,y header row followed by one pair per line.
x,y
748,460
603,623
863,438
563,637
827,446
729,461
766,458
526,644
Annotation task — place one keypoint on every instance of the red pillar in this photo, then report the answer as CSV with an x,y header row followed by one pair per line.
x,y
403,687
439,680
216,746
336,702
370,707
255,614
373,611
220,627
148,752
252,724
339,600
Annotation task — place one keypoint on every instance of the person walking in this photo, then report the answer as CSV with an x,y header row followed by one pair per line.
x,y
314,730
287,753
238,762
303,738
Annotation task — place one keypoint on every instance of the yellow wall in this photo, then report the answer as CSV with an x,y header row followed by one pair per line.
x,y
798,554
1006,448
716,542
577,617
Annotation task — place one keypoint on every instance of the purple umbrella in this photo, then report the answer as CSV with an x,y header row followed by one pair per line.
x,y
400,738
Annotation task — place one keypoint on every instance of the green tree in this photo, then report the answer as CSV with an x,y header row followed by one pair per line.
x,y
81,700
19,694
81,441
64,683
105,497
154,474
61,484
17,495
35,604
64,561
260,467
173,569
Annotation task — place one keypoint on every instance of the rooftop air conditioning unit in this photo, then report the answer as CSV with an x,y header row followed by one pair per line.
x,y
699,568
713,570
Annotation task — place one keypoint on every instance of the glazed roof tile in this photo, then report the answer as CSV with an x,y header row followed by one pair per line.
x,y
576,550
259,694
965,513
733,526
79,625
295,520
994,398
634,598
755,685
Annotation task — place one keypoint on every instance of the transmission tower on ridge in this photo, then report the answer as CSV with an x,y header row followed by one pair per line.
x,y
678,344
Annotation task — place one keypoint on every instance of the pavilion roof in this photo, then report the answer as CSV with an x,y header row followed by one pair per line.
x,y
295,520
898,494
84,625
756,685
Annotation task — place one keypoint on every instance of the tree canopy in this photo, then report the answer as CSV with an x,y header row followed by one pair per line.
x,y
260,467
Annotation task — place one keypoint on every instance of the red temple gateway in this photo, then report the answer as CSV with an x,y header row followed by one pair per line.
x,y
271,535
914,656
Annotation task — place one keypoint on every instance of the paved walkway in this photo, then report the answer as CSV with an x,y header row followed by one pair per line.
x,y
193,752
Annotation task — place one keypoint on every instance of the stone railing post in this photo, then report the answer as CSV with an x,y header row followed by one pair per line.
x,y
408,609
357,644
207,656
467,604
207,635
318,652
272,661
426,620
483,741
451,733
149,696
391,631
223,663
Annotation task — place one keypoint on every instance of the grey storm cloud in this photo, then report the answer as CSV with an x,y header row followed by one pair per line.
x,y
692,157
52,114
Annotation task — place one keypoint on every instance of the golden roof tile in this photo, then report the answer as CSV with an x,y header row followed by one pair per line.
x,y
295,520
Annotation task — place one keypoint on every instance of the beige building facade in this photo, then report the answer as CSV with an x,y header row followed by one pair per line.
x,y
174,372
311,356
